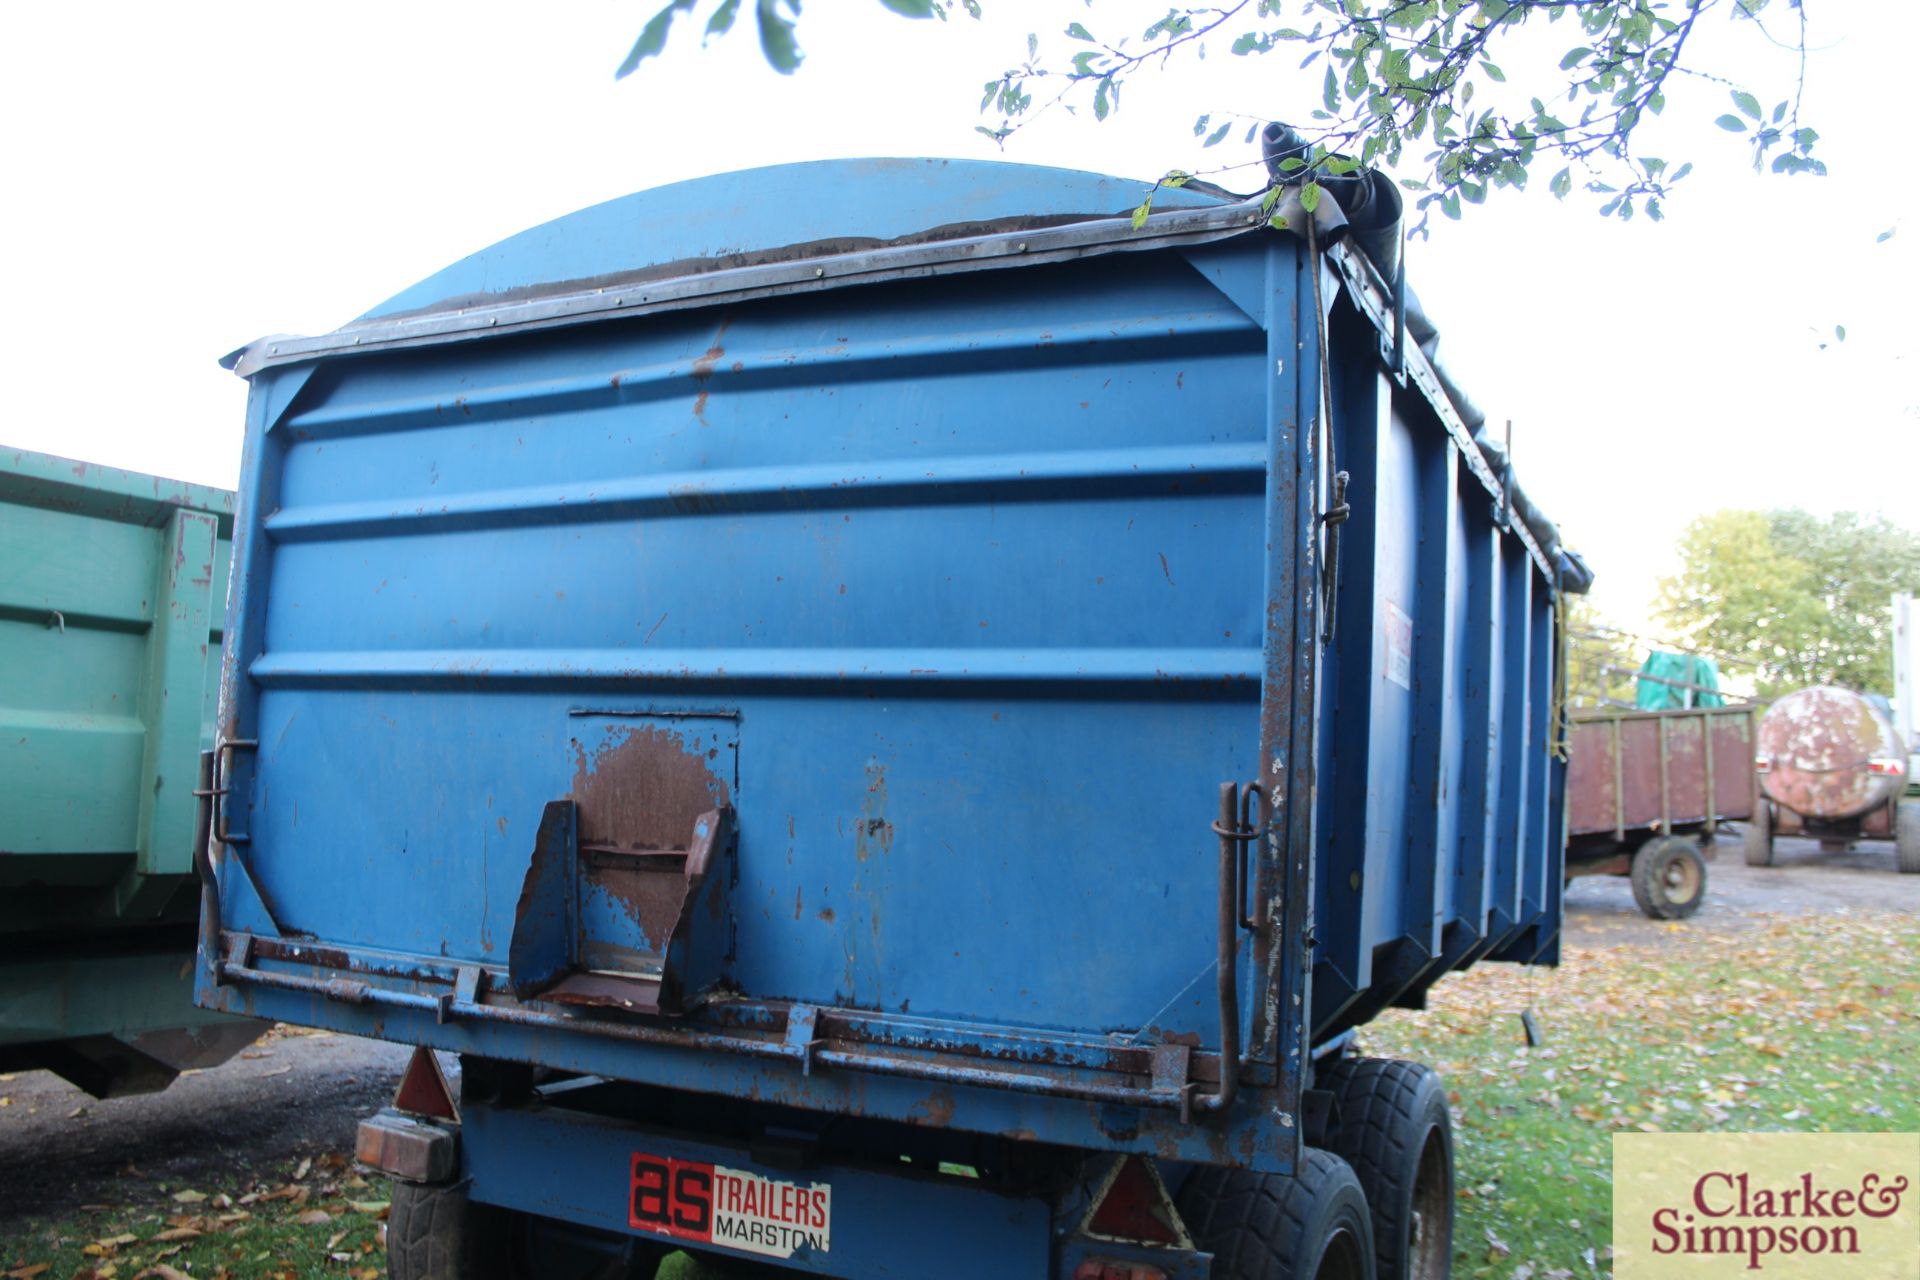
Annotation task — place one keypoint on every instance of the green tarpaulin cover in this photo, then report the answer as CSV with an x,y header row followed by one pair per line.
x,y
1664,679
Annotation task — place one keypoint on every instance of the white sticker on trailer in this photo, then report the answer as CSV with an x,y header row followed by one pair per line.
x,y
1399,647
734,1208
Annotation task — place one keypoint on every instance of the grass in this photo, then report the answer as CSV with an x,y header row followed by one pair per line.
x,y
322,1220
1800,1024
1796,1023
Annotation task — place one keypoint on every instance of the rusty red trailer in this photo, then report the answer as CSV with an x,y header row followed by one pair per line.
x,y
1646,791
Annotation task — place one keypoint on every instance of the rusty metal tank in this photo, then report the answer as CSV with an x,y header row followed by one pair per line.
x,y
1829,754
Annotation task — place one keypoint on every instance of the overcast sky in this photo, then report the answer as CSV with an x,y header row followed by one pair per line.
x,y
181,179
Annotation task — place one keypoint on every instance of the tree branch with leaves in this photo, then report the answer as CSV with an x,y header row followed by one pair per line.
x,y
1420,86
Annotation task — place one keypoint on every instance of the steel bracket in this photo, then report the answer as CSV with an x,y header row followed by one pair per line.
x,y
802,1020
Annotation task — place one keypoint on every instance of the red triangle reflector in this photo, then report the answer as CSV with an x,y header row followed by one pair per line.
x,y
423,1089
1135,1207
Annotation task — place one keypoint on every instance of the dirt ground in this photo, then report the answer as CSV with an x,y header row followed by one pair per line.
x,y
295,1093
291,1094
1600,910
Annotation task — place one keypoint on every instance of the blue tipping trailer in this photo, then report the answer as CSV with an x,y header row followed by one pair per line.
x,y
818,685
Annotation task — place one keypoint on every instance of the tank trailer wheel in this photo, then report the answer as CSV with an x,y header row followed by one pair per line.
x,y
1266,1226
1759,836
1669,877
438,1233
1396,1134
1906,837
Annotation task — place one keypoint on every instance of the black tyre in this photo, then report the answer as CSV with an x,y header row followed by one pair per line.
x,y
1906,837
1396,1135
1669,877
1265,1226
1759,837
437,1233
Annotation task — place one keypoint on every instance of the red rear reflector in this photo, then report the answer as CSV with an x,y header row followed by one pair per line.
x,y
1763,764
1101,1269
423,1089
1887,767
1135,1207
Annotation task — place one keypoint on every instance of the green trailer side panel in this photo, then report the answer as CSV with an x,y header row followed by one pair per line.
x,y
112,589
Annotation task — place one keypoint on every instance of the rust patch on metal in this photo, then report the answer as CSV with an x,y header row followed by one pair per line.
x,y
872,829
936,1109
704,366
639,794
1819,744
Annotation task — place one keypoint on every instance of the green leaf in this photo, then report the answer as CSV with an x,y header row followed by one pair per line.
x,y
1083,63
722,20
1779,112
1141,211
1100,103
1681,172
653,37
1732,123
1200,125
1310,196
1804,138
1575,57
1747,103
1214,138
1885,236
910,8
1493,73
1840,332
1562,184
1278,222
777,43
1079,32
1330,91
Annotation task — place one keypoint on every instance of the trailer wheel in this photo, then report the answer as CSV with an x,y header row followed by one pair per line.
x,y
1906,837
1266,1226
1669,877
1396,1134
1759,837
438,1233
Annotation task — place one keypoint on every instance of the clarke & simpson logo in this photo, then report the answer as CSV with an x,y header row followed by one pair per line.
x,y
1780,1205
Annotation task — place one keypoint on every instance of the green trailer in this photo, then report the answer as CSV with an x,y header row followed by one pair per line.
x,y
112,592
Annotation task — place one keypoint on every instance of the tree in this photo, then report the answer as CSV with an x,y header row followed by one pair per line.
x,y
1601,660
1401,80
1807,599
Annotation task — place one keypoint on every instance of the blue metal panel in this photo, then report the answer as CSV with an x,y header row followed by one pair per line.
x,y
993,579
576,1168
